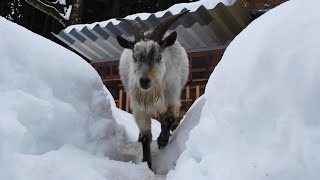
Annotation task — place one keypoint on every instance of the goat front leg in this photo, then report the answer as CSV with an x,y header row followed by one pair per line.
x,y
166,120
145,137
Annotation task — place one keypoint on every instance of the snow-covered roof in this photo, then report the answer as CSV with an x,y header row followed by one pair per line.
x,y
175,9
211,24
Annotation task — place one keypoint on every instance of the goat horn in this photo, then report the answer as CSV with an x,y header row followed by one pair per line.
x,y
164,25
136,28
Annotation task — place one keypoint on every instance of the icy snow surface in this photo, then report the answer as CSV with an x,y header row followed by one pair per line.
x,y
175,9
261,118
57,119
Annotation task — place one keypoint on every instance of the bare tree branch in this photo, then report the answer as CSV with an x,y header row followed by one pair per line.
x,y
50,10
57,2
57,5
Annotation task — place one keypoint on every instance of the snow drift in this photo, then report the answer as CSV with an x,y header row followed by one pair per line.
x,y
56,115
261,118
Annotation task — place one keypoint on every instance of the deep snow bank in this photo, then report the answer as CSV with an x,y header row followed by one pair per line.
x,y
56,116
53,95
261,119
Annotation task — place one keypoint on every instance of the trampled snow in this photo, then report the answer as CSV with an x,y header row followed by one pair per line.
x,y
57,119
261,118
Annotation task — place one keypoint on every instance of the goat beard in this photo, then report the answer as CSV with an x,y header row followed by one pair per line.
x,y
148,97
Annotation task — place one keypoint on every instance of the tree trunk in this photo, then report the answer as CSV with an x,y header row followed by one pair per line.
x,y
53,28
2,5
77,12
45,28
26,8
32,19
116,8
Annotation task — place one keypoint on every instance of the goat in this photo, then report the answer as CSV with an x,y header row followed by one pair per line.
x,y
153,72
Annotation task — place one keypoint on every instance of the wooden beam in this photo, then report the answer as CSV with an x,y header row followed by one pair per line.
x,y
127,103
197,91
188,92
210,69
120,98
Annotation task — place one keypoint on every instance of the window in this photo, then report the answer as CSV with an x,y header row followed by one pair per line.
x,y
201,62
115,70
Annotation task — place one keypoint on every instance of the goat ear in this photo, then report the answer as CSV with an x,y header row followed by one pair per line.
x,y
125,43
169,41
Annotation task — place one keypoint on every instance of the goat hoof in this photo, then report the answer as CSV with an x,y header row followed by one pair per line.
x,y
145,141
148,162
163,139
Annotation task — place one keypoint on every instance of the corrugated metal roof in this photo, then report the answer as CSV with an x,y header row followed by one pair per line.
x,y
202,29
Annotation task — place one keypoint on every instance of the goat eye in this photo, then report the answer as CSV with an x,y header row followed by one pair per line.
x,y
134,59
158,58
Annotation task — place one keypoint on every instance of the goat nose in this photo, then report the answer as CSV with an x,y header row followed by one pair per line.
x,y
144,83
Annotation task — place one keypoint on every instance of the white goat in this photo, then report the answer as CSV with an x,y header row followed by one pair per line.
x,y
153,72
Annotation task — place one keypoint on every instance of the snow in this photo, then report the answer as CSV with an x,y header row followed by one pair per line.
x,y
67,12
261,115
57,118
63,2
60,107
175,9
194,6
71,163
